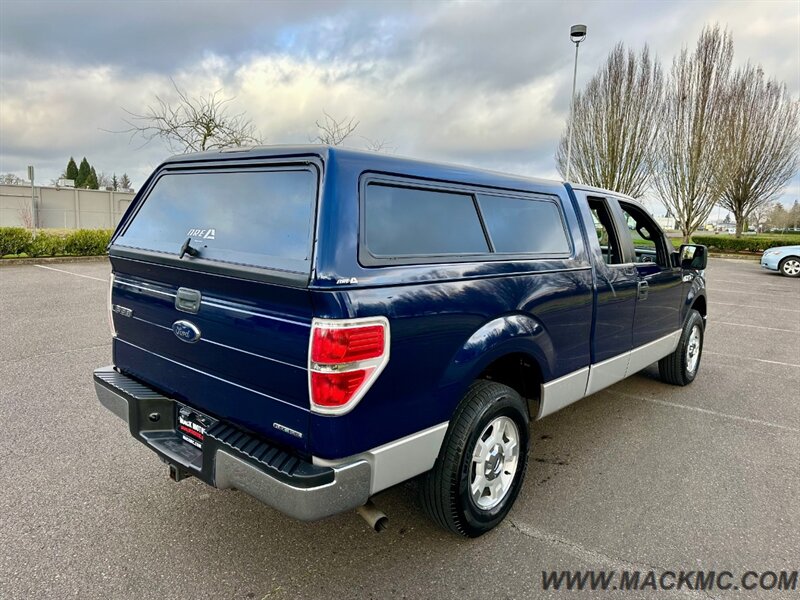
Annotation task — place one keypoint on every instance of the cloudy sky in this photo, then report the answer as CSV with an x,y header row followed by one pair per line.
x,y
483,83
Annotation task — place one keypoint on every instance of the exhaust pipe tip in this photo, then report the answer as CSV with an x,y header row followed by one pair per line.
x,y
374,518
381,524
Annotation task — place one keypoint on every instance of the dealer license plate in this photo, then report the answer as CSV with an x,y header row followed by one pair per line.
x,y
192,425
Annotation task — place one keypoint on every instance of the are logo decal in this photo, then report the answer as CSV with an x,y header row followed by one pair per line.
x,y
205,234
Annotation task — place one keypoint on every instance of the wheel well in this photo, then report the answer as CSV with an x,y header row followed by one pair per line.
x,y
521,373
700,306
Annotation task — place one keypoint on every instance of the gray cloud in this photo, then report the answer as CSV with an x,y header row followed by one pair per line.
x,y
483,83
148,34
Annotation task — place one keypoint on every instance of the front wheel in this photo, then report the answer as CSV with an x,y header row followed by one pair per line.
x,y
482,463
680,367
790,267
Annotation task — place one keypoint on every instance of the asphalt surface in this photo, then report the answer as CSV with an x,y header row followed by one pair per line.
x,y
642,475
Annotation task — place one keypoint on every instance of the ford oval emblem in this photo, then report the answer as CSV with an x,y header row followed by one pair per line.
x,y
186,331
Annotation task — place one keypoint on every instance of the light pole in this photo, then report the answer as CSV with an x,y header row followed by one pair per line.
x,y
577,33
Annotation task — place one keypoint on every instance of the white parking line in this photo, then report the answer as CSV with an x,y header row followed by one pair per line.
x,y
750,358
707,411
753,279
751,306
755,327
71,273
749,293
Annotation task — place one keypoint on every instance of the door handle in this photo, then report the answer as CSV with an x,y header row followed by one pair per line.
x,y
642,287
187,300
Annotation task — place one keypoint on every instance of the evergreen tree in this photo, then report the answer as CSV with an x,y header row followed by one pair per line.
x,y
778,217
72,170
114,182
125,182
794,215
92,182
84,172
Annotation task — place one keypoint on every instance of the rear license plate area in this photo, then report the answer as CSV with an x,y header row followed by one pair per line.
x,y
191,425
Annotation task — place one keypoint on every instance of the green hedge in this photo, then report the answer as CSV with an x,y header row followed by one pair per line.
x,y
17,241
14,240
87,242
47,244
746,243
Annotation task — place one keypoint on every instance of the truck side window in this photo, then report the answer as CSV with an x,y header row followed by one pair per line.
x,y
405,221
606,234
648,241
524,225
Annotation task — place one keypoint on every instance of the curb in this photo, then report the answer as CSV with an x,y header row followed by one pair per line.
x,y
51,260
748,257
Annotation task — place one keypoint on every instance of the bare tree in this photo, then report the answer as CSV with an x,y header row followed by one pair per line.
x,y
11,179
378,145
192,124
25,214
759,216
104,181
778,217
615,123
333,131
689,157
761,131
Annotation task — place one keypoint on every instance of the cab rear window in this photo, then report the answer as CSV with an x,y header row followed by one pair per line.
x,y
261,218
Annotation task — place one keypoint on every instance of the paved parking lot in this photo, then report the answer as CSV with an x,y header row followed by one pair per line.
x,y
639,476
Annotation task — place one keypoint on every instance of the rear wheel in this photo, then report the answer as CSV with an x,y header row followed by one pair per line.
x,y
680,367
790,266
482,463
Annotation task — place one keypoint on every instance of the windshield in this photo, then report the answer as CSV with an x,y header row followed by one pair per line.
x,y
261,218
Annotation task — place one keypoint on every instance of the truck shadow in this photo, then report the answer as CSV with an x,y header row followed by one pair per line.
x,y
249,539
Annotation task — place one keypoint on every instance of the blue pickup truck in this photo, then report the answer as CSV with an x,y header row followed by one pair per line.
x,y
313,325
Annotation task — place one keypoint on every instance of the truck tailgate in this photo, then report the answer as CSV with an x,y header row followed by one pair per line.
x,y
248,365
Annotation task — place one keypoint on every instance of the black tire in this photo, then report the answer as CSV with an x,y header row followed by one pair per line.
x,y
445,490
784,265
675,368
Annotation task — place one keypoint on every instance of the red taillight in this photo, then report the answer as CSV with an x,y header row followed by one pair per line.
x,y
344,360
333,346
335,389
